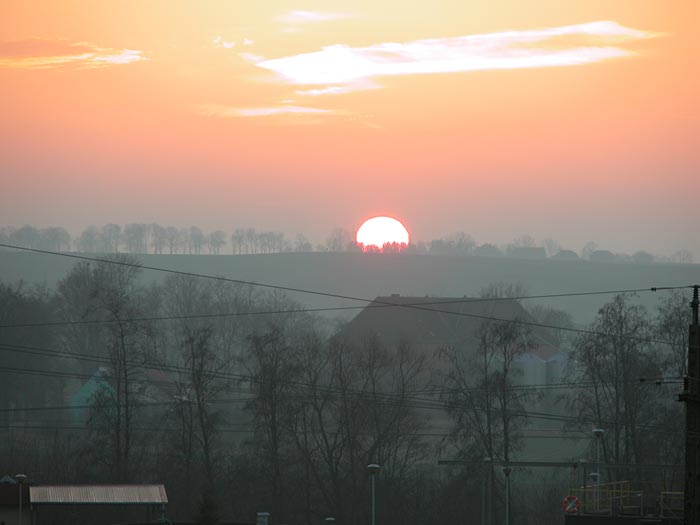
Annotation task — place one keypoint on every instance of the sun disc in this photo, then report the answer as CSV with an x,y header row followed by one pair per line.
x,y
377,232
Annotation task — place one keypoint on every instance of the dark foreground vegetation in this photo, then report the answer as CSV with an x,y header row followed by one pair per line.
x,y
239,401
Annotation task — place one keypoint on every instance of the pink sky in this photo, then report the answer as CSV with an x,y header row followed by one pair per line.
x,y
576,123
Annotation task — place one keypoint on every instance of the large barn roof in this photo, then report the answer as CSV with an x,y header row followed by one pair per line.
x,y
428,323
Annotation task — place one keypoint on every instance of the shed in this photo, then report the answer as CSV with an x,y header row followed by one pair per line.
x,y
98,495
58,504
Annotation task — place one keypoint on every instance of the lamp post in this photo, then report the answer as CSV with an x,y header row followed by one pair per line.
x,y
598,433
20,479
485,488
507,470
373,469
584,463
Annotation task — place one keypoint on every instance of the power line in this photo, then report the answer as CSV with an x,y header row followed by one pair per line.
x,y
32,350
380,304
387,398
416,306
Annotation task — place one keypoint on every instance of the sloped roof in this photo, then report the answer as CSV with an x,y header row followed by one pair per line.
x,y
98,494
428,323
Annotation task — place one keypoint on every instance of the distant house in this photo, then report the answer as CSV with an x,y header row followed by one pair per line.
x,y
427,331
80,400
151,384
487,250
428,324
528,252
565,255
602,256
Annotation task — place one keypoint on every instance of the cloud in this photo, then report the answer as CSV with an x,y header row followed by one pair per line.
x,y
251,57
552,47
214,110
338,90
220,42
38,53
306,17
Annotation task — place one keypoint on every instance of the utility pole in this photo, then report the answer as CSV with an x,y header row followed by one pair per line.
x,y
691,397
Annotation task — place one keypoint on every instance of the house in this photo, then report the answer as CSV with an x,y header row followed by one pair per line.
x,y
80,400
487,250
565,255
150,384
602,256
428,324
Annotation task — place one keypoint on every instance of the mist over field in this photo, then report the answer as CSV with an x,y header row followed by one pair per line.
x,y
362,263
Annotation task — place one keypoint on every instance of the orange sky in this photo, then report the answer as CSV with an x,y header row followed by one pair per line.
x,y
575,120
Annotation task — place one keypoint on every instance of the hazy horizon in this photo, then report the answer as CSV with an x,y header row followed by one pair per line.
x,y
576,124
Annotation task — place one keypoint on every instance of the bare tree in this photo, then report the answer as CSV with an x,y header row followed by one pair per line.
x,y
135,237
338,240
272,366
487,411
588,249
111,237
613,357
216,240
159,238
672,321
56,239
113,289
302,244
552,247
196,240
353,407
682,257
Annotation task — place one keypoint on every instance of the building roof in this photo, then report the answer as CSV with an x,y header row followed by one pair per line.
x,y
413,321
98,494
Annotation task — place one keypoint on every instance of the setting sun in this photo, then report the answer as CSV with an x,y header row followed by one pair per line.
x,y
378,232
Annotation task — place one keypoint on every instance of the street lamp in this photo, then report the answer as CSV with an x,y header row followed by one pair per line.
x,y
373,469
507,470
598,433
583,464
20,479
486,493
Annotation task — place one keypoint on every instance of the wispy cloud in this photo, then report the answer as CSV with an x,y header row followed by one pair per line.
x,y
220,42
338,89
552,47
215,110
307,17
37,53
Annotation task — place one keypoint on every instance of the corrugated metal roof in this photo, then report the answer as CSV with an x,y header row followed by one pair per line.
x,y
98,494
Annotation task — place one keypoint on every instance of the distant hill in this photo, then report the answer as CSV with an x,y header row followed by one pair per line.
x,y
371,275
